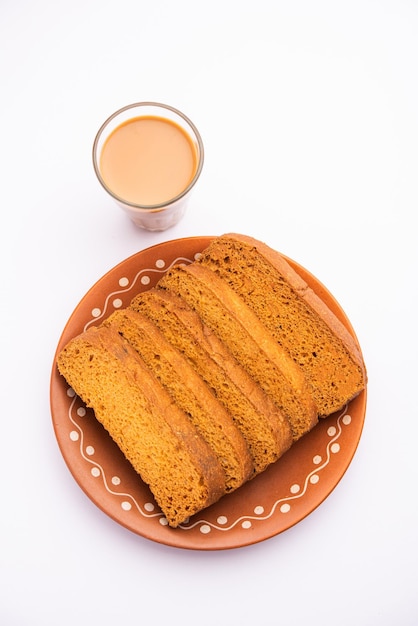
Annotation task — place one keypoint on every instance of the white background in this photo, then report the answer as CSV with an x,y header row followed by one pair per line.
x,y
309,116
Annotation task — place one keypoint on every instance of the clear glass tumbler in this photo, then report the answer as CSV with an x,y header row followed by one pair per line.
x,y
142,158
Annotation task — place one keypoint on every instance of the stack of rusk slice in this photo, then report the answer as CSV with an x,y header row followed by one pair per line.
x,y
210,376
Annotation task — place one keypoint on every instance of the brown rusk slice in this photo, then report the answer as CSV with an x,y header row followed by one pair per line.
x,y
157,438
296,317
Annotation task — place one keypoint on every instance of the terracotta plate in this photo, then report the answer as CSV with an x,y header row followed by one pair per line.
x,y
273,502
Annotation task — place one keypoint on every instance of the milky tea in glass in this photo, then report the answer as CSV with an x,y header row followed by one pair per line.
x,y
148,157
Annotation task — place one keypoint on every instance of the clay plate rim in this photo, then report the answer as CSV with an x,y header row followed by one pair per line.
x,y
270,504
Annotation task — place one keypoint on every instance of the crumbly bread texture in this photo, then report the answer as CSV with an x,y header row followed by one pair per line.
x,y
157,438
296,317
189,392
209,377
247,339
264,427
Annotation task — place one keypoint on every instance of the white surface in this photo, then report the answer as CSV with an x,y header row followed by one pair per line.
x,y
309,115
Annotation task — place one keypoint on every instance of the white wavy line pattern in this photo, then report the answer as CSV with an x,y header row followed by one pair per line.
x,y
205,526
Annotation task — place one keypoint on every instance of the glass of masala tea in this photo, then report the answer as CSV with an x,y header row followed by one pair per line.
x,y
148,157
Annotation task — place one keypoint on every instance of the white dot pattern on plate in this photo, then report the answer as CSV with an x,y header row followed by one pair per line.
x,y
148,509
205,529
